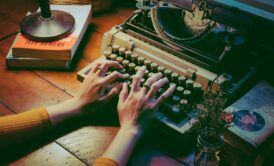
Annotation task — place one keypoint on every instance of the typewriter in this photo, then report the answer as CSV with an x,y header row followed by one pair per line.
x,y
199,45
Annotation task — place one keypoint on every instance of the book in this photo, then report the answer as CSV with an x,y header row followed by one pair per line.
x,y
253,123
63,49
35,63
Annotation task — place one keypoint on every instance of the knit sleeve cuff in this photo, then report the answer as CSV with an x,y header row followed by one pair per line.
x,y
105,162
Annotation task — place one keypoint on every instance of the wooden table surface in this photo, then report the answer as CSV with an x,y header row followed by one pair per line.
x,y
22,90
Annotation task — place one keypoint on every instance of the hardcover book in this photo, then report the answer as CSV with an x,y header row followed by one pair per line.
x,y
63,49
35,63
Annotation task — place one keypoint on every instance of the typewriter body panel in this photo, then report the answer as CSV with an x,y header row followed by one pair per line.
x,y
216,69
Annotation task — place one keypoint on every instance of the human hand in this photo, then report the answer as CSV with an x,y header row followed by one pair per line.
x,y
137,109
94,88
92,94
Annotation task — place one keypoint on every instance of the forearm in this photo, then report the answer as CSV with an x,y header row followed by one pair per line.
x,y
122,146
20,127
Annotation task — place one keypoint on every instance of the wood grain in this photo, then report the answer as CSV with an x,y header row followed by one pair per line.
x,y
23,90
4,110
51,154
89,143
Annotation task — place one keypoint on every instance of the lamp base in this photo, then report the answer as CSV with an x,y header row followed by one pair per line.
x,y
37,28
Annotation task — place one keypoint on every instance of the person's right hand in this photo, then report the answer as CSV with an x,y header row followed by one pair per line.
x,y
137,108
93,89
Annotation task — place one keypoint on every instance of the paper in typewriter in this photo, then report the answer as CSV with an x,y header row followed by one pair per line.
x,y
254,114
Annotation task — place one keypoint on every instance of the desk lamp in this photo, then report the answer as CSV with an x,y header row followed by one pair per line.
x,y
47,25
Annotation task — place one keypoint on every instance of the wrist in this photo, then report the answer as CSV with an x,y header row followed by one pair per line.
x,y
132,130
74,106
64,111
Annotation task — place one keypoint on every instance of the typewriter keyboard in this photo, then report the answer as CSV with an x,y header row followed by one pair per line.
x,y
178,107
176,112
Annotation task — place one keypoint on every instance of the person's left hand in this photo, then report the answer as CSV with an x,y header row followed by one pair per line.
x,y
94,89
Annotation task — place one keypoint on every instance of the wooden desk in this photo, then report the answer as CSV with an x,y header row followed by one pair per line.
x,y
23,90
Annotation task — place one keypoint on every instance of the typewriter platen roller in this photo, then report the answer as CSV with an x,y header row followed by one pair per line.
x,y
190,45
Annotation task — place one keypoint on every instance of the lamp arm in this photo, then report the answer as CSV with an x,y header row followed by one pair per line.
x,y
45,9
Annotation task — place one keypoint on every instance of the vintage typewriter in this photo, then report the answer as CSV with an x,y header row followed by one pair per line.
x,y
198,45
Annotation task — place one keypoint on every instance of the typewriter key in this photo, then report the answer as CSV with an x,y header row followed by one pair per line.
x,y
161,69
141,61
120,59
182,80
107,54
134,58
115,49
132,68
176,111
176,114
122,51
176,99
125,63
168,73
128,54
154,67
198,93
147,64
137,68
174,77
180,90
171,84
183,102
113,57
197,86
184,105
189,84
187,94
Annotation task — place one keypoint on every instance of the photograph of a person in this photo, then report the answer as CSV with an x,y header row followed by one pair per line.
x,y
248,120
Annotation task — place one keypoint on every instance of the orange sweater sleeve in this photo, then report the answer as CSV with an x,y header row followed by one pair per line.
x,y
20,127
23,126
105,162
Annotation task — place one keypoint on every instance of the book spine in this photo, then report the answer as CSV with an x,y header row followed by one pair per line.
x,y
36,64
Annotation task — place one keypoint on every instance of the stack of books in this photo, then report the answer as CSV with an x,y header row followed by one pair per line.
x,y
25,53
248,141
